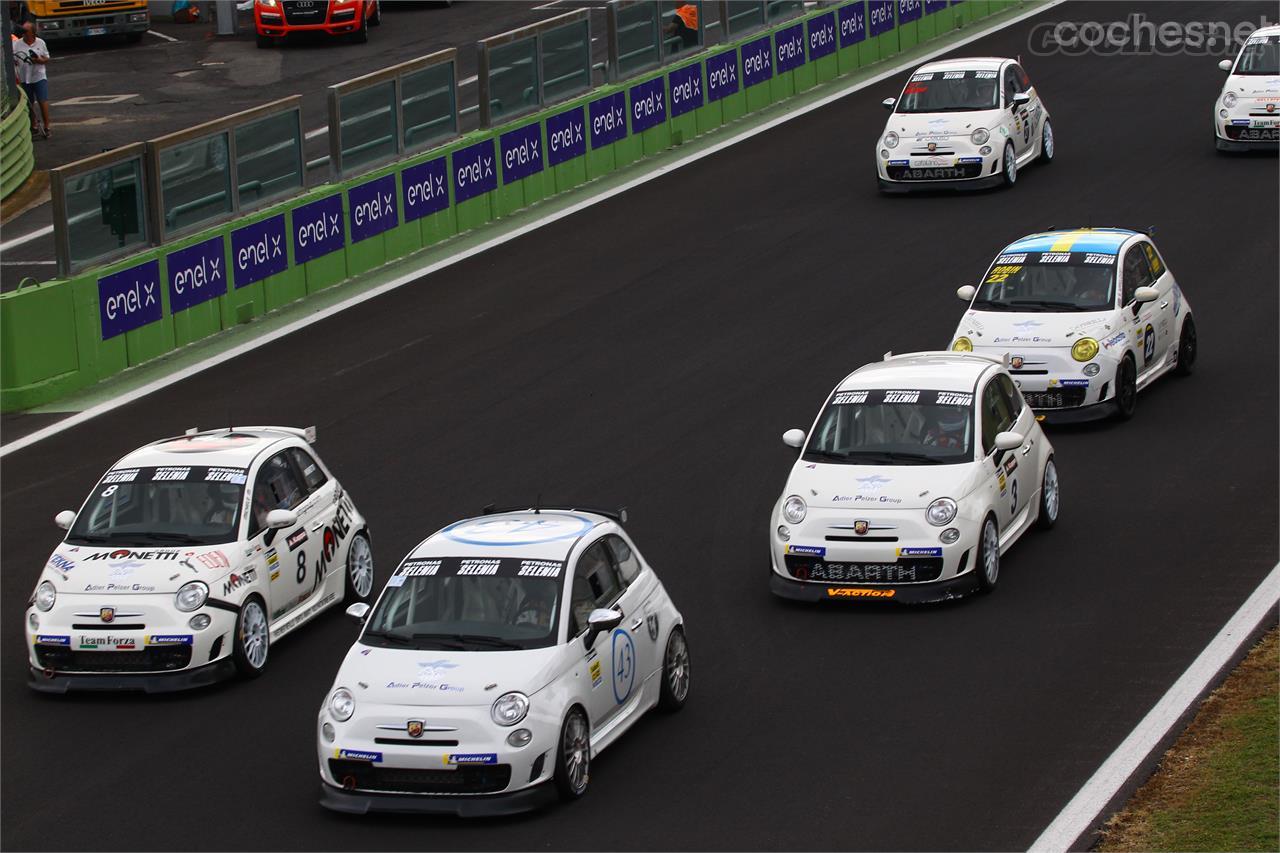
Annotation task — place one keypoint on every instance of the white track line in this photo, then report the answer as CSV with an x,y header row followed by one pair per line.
x,y
1085,809
356,299
161,35
26,238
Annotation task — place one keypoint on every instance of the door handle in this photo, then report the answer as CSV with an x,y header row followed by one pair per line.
x,y
316,525
1164,304
1026,450
635,626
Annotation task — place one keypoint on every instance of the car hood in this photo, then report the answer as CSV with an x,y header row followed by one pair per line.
x,y
892,487
135,571
926,127
1253,86
422,677
1029,330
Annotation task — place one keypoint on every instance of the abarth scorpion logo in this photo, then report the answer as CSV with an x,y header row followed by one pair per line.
x,y
107,614
860,527
414,728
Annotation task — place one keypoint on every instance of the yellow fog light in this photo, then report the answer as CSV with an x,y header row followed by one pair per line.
x,y
962,344
1084,349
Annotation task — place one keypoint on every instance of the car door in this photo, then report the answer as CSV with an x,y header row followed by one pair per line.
x,y
1166,331
1017,118
643,619
1035,108
996,418
1020,470
1143,318
292,551
612,663
319,512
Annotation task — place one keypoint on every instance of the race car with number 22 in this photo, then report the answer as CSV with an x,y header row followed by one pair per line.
x,y
190,557
504,654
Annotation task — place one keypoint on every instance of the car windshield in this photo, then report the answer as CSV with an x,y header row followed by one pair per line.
x,y
1260,57
189,505
892,427
1049,281
469,603
949,92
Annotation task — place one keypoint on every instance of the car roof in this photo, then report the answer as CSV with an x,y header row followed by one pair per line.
x,y
1273,30
233,446
935,371
528,534
969,63
1105,240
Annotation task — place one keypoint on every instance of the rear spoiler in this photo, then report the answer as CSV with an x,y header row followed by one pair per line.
x,y
307,434
618,515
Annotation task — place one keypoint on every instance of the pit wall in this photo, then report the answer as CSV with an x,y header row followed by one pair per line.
x,y
63,336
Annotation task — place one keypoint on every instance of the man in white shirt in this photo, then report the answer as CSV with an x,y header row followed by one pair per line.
x,y
30,56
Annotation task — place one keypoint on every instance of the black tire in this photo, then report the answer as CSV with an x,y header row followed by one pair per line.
x,y
1050,496
566,777
1188,348
1126,389
265,41
988,575
1009,166
675,672
1048,145
358,584
252,628
376,18
361,35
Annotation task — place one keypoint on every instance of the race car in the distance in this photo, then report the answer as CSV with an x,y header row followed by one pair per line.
x,y
1247,113
504,654
917,476
963,124
1088,317
190,557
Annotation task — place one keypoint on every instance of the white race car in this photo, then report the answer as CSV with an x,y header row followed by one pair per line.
x,y
919,473
963,124
174,573
1248,110
1088,317
504,654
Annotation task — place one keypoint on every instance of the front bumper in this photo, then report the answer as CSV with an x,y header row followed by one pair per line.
x,y
956,587
1240,131
81,26
965,169
186,679
487,805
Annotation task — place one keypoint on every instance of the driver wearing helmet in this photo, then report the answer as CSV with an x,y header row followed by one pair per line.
x,y
948,430
537,605
222,504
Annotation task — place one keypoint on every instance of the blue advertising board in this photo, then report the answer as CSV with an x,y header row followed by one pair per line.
x,y
686,89
257,251
566,136
423,189
648,104
474,171
788,48
608,117
521,152
722,75
196,274
129,299
317,229
373,208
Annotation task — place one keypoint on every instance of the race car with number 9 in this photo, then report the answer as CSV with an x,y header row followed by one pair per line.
x,y
177,572
1089,317
504,654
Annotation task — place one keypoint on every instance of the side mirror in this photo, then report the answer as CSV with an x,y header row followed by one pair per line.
x,y
888,103
359,612
1226,65
278,519
65,519
1009,440
966,292
600,620
794,438
1018,100
1146,294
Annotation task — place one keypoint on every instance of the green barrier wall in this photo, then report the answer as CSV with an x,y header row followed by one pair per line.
x,y
51,335
16,156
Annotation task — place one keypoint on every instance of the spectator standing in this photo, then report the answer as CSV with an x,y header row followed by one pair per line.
x,y
30,56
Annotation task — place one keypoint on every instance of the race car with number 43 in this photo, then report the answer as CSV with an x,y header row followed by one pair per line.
x,y
504,654
919,473
963,124
190,557
1089,317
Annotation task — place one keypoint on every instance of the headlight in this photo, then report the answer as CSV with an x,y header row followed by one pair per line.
x,y
46,595
191,596
795,509
270,4
980,136
1229,100
941,512
1084,349
962,344
509,708
891,140
342,704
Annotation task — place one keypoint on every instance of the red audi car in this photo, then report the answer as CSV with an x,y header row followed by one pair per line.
x,y
278,18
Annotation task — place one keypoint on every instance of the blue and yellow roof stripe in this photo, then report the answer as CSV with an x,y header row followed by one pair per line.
x,y
1103,240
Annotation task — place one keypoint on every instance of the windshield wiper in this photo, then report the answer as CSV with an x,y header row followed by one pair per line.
x,y
185,538
474,639
388,635
896,456
91,537
1044,303
827,454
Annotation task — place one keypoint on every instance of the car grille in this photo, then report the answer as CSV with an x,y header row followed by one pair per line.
x,y
305,11
934,173
473,779
1058,398
154,659
1253,134
919,570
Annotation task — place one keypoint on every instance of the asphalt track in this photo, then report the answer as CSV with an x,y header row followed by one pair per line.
x,y
650,352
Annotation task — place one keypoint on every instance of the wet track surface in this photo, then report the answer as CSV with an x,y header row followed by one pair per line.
x,y
649,352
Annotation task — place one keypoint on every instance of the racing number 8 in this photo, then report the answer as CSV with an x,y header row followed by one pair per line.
x,y
302,566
